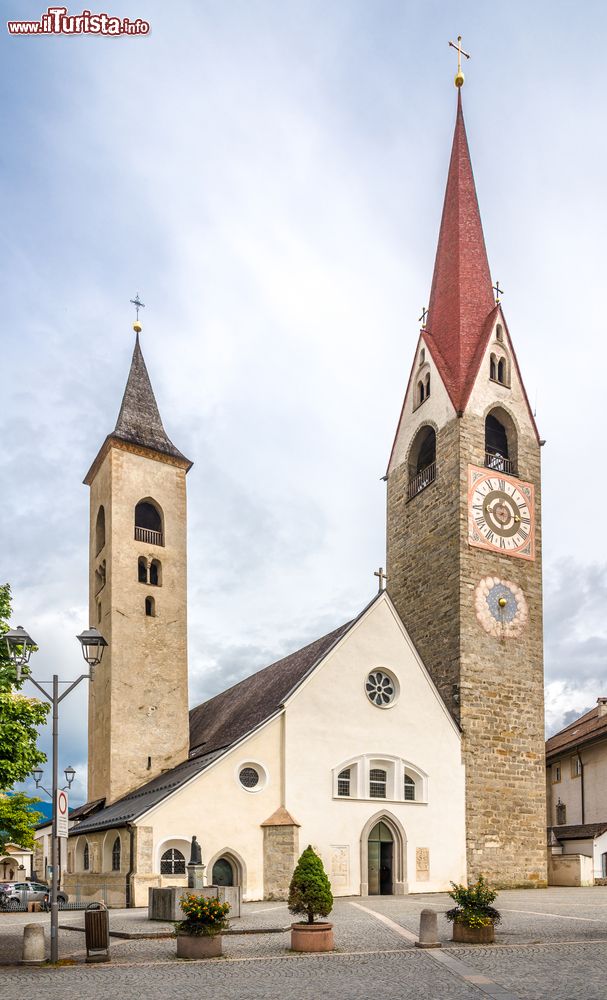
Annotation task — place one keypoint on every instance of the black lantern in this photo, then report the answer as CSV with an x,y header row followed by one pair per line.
x,y
69,775
20,646
93,644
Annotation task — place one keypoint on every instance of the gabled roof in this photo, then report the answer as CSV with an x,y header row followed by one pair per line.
x,y
581,831
219,724
589,728
461,298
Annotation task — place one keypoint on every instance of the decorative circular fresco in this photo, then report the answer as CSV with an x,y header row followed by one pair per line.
x,y
501,607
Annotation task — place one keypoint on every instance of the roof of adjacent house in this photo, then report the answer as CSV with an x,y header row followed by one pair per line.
x,y
580,831
219,724
589,728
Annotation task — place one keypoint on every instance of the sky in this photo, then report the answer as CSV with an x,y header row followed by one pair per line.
x,y
268,175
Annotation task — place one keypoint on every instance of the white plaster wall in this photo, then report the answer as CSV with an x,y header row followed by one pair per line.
x,y
437,409
220,812
330,720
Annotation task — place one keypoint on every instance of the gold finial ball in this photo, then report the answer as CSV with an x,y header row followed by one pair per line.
x,y
137,326
502,601
459,79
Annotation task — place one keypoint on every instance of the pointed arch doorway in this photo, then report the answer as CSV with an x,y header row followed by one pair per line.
x,y
383,857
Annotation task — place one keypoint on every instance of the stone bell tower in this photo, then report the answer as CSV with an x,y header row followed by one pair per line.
x,y
464,542
138,700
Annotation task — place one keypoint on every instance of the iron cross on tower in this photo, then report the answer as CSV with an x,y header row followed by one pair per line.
x,y
498,291
138,305
383,579
459,77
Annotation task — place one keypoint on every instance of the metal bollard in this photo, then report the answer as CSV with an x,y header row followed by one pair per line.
x,y
34,950
428,930
97,932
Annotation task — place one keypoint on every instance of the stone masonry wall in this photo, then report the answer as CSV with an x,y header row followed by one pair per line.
x,y
280,854
493,687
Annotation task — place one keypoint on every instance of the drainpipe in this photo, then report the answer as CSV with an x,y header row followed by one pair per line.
x,y
581,784
129,901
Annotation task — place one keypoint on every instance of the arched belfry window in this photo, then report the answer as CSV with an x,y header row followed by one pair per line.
x,y
100,530
148,523
493,368
422,461
150,607
501,371
155,573
500,442
142,570
427,384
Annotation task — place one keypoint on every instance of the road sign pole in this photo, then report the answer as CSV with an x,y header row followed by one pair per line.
x,y
55,839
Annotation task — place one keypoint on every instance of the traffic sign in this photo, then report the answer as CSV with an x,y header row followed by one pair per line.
x,y
62,813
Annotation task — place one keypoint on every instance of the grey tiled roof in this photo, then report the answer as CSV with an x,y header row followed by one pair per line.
x,y
588,728
218,724
139,419
579,831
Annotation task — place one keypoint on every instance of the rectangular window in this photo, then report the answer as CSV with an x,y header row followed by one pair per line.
x,y
576,767
556,773
377,783
343,783
604,865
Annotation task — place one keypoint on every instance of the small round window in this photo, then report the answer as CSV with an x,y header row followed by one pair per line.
x,y
249,777
381,688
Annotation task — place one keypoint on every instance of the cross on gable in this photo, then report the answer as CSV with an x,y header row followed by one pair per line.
x,y
383,579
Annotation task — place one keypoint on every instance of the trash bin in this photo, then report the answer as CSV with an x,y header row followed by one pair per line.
x,y
97,932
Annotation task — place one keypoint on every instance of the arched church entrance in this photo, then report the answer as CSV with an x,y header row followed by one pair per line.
x,y
223,873
383,845
380,847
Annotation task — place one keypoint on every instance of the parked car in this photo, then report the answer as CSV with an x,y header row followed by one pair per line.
x,y
18,893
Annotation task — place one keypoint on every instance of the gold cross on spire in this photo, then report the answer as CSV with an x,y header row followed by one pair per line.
x,y
459,76
383,579
138,305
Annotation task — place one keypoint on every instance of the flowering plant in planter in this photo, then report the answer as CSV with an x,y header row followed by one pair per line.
x,y
205,916
473,905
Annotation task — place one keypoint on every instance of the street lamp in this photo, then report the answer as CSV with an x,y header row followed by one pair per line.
x,y
20,647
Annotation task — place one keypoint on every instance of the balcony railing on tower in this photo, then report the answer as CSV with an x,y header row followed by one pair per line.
x,y
420,480
148,536
499,464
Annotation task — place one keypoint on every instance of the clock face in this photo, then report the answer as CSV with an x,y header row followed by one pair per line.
x,y
501,608
500,513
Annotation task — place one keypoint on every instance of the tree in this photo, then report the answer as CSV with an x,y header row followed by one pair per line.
x,y
20,718
310,890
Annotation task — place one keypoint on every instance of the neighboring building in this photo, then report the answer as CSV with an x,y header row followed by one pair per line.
x,y
353,743
41,864
15,863
576,773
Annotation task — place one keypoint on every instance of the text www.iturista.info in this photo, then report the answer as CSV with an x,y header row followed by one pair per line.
x,y
57,21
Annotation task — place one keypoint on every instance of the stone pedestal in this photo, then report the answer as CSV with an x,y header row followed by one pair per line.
x,y
195,877
280,853
428,930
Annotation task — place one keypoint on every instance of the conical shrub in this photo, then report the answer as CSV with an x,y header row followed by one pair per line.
x,y
310,890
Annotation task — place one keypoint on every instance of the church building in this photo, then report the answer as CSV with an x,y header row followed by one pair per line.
x,y
407,745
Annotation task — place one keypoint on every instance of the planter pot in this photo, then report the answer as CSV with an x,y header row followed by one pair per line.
x,y
473,935
198,945
312,937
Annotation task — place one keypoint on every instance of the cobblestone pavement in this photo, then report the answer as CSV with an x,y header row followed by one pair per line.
x,y
552,943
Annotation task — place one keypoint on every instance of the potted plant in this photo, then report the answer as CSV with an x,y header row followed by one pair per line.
x,y
310,895
199,935
474,918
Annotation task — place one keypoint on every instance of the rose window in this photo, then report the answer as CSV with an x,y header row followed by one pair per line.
x,y
380,688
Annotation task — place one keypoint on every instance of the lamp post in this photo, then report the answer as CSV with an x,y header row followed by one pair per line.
x,y
20,647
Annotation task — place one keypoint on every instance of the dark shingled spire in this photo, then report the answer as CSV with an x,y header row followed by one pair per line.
x,y
139,420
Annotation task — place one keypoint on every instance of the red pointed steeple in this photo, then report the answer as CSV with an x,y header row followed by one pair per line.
x,y
461,299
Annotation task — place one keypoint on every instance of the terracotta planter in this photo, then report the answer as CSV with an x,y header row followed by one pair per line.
x,y
198,945
312,937
473,935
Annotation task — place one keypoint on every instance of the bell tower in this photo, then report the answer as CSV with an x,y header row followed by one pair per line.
x,y
464,539
138,700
